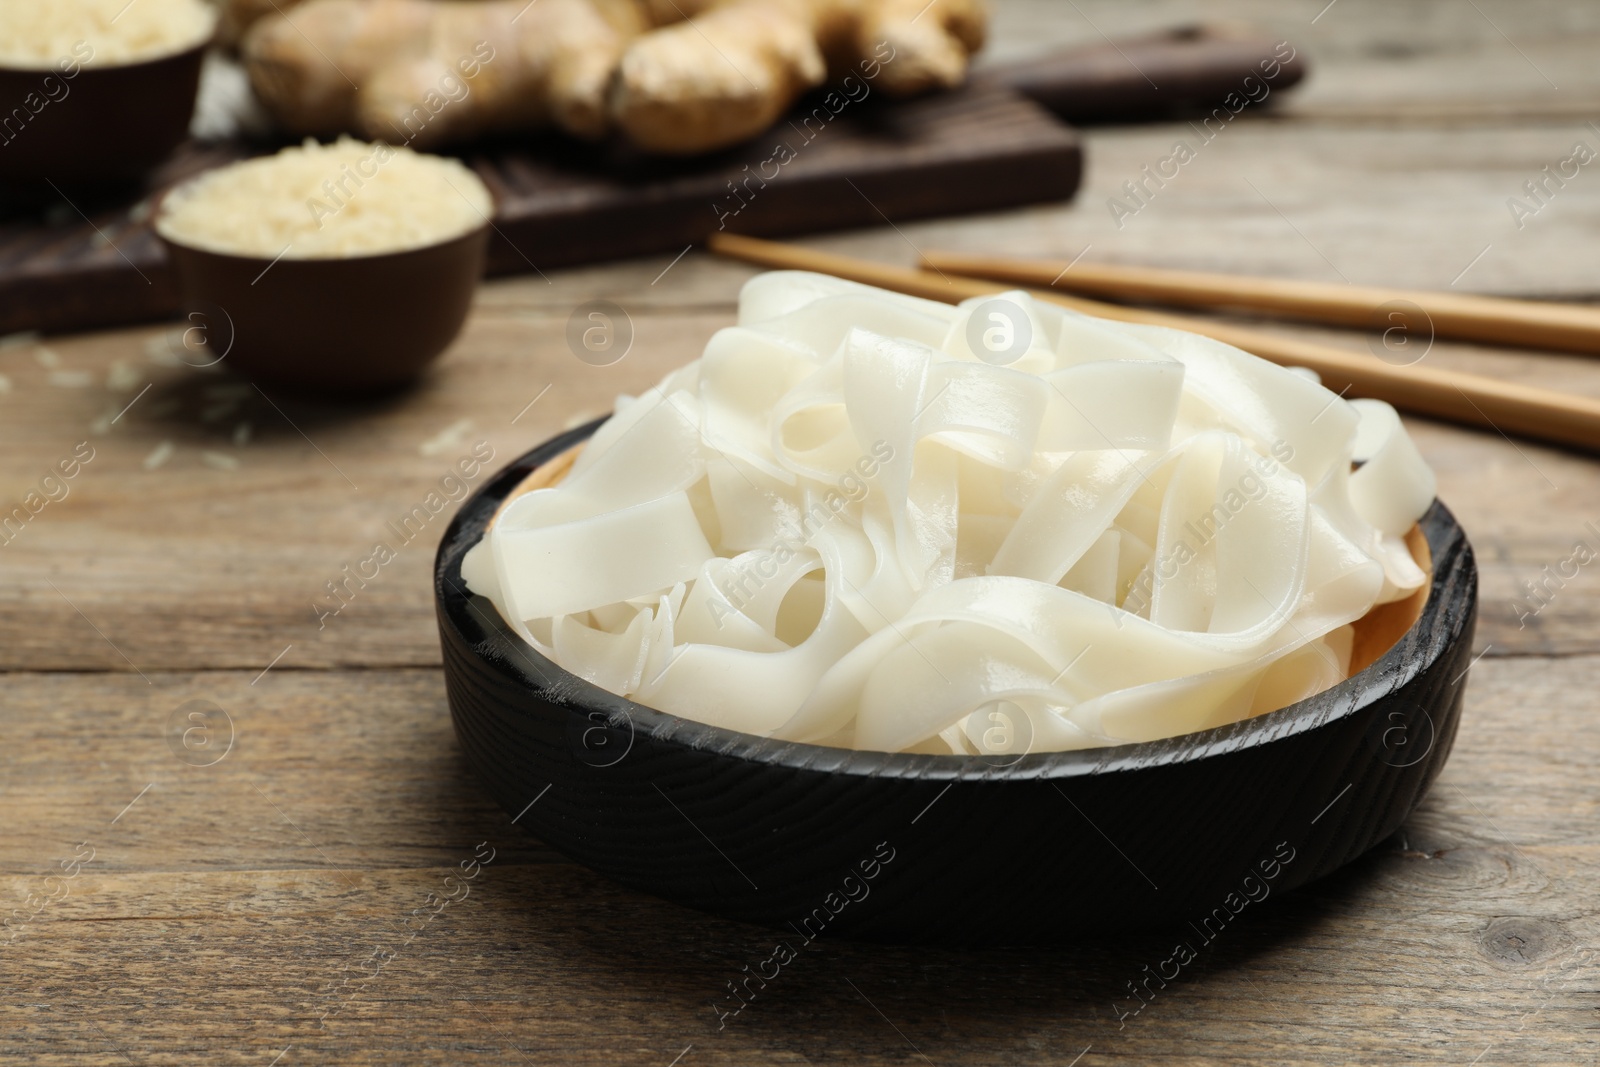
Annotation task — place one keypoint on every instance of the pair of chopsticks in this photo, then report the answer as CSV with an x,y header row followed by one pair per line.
x,y
1469,399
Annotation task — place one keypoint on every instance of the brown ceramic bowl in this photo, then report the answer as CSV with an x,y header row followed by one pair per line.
x,y
359,324
100,126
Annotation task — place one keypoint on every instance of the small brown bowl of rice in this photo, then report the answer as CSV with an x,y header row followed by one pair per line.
x,y
95,92
341,268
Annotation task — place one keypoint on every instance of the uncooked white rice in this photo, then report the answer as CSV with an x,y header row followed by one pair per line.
x,y
330,201
39,34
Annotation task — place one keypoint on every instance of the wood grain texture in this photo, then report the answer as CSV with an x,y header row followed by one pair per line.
x,y
130,547
852,162
1487,320
209,930
211,926
1173,73
1399,379
846,159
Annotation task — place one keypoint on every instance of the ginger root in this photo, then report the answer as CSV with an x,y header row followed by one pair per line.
x,y
718,78
733,70
930,42
675,76
425,74
237,16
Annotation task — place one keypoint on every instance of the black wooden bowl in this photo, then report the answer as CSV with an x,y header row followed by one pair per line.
x,y
815,840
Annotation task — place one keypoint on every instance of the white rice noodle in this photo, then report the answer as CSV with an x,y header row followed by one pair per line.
x,y
841,527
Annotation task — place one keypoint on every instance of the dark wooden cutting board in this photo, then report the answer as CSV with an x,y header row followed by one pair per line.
x,y
997,142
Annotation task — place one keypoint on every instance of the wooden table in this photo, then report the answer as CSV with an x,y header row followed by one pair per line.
x,y
254,910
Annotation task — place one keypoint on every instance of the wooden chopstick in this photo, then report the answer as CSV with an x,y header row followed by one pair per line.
x,y
1469,399
1487,319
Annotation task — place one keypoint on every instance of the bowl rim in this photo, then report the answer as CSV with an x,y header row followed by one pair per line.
x,y
198,47
478,231
1390,673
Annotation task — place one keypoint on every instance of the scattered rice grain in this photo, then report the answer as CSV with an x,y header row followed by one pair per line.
x,y
122,376
446,439
159,349
102,423
158,455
